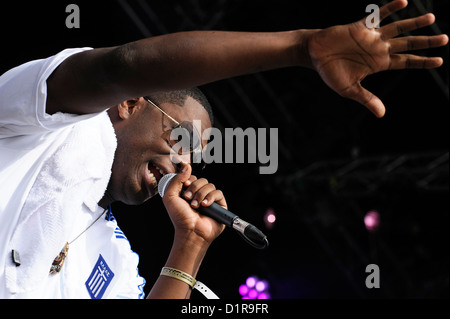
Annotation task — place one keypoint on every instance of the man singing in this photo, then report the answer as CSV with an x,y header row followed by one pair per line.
x,y
88,127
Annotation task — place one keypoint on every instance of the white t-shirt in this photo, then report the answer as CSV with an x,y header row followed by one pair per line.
x,y
53,172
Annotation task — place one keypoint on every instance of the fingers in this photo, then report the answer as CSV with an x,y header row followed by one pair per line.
x,y
366,98
200,192
391,8
396,28
176,184
417,43
409,61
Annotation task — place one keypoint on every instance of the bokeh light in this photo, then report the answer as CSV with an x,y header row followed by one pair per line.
x,y
270,218
372,221
254,288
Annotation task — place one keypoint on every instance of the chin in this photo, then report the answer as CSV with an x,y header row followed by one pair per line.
x,y
133,196
140,198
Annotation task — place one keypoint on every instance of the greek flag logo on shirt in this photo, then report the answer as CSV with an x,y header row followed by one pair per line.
x,y
100,278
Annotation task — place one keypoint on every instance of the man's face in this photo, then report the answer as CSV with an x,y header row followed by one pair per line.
x,y
143,151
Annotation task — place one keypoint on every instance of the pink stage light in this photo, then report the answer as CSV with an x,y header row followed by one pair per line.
x,y
260,286
270,218
372,221
251,282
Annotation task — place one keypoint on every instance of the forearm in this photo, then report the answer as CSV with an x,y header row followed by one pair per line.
x,y
96,80
188,59
186,255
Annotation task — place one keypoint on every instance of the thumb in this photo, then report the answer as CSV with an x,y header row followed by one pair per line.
x,y
177,182
359,94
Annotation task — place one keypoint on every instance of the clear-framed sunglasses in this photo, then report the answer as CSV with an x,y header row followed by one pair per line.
x,y
188,140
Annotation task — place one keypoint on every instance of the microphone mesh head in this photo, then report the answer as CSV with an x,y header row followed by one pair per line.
x,y
164,182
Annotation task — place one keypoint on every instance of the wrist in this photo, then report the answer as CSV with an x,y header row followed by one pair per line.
x,y
185,256
301,54
189,239
187,253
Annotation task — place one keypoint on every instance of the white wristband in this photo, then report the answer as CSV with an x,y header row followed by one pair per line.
x,y
208,293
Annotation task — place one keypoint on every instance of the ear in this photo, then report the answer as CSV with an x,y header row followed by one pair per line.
x,y
127,108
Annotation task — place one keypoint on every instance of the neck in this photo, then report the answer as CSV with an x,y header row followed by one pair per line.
x,y
106,200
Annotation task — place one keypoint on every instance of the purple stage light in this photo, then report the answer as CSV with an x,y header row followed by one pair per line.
x,y
254,288
252,294
243,290
263,295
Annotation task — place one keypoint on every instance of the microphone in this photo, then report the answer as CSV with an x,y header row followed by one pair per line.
x,y
250,233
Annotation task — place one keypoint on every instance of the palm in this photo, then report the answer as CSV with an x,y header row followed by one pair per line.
x,y
345,55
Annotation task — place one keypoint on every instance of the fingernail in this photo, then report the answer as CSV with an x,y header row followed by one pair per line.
x,y
185,167
205,202
188,195
194,203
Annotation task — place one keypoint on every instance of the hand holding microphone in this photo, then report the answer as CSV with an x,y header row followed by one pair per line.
x,y
188,223
215,210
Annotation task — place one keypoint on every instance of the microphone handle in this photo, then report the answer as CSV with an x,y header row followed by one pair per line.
x,y
247,231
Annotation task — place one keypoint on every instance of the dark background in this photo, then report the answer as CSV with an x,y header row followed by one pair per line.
x,y
336,160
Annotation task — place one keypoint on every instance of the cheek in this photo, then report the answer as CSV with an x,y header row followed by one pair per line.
x,y
126,159
132,148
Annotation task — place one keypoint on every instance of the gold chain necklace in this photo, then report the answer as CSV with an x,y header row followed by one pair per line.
x,y
58,262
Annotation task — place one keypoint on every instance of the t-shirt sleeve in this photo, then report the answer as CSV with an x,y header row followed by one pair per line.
x,y
23,98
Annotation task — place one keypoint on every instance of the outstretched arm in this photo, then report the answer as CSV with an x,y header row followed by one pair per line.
x,y
95,80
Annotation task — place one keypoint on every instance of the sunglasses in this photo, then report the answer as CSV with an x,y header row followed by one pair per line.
x,y
188,140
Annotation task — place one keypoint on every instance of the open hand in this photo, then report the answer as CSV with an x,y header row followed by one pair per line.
x,y
345,55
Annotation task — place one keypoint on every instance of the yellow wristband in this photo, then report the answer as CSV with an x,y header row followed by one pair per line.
x,y
180,275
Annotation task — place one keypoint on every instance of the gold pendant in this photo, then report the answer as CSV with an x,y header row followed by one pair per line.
x,y
59,260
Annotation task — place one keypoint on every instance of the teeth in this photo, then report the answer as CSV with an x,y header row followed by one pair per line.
x,y
153,178
158,169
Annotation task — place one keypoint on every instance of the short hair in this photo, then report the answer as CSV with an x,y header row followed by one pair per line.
x,y
179,97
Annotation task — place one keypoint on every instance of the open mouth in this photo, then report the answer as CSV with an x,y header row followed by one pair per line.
x,y
154,175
